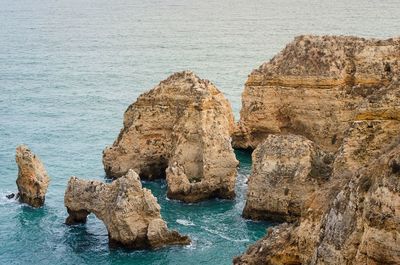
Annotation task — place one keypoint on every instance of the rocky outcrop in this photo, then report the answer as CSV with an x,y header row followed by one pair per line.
x,y
314,87
32,180
354,217
130,213
288,167
363,224
179,130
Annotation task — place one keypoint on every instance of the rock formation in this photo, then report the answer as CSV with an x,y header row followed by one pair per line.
x,y
130,213
354,216
288,167
32,178
313,88
179,130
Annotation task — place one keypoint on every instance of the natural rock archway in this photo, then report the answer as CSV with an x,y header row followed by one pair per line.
x,y
130,213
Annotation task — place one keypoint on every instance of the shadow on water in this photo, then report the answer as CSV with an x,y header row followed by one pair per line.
x,y
88,237
29,216
244,157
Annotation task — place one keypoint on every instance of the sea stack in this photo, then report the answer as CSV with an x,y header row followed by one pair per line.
x,y
350,216
313,88
286,169
130,213
179,130
32,181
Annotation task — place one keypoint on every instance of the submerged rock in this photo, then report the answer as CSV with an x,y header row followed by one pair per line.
x,y
313,88
286,170
10,196
32,180
130,213
179,130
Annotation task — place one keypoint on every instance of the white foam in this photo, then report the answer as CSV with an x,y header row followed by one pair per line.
x,y
185,222
4,200
224,236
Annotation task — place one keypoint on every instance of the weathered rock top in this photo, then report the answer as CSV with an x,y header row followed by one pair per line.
x,y
32,180
333,60
185,84
183,89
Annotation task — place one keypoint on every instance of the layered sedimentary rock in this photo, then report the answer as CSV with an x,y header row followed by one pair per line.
x,y
32,180
313,88
179,130
288,167
130,213
354,218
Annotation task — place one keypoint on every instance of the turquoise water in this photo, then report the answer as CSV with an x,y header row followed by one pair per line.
x,y
69,69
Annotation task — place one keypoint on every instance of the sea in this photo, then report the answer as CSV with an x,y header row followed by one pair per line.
x,y
70,68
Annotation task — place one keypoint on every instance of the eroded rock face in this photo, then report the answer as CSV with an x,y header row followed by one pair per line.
x,y
130,213
354,217
32,180
179,130
313,88
288,167
362,225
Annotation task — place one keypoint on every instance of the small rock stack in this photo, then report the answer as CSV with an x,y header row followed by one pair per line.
x,y
32,180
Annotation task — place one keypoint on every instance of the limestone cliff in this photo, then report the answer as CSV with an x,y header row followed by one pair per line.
x,y
32,180
313,88
179,130
352,218
130,213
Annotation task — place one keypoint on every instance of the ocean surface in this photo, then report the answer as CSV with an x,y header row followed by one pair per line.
x,y
68,71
